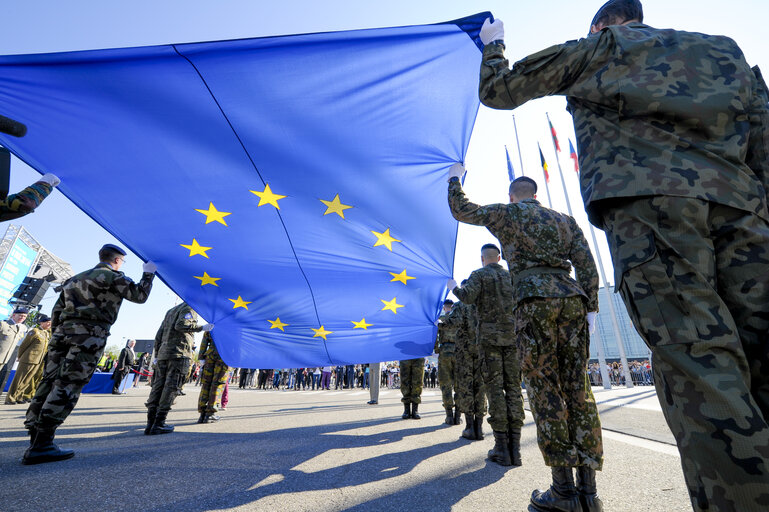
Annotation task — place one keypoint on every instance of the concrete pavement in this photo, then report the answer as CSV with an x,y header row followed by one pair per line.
x,y
319,451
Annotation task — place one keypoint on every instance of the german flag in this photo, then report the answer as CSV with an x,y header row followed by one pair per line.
x,y
544,164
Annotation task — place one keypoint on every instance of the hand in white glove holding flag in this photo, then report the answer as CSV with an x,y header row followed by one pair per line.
x,y
492,31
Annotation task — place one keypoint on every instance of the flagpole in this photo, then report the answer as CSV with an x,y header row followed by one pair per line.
x,y
517,143
612,312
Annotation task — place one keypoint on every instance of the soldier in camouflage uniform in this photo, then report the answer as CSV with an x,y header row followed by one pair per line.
x,y
214,375
471,393
447,363
673,132
491,290
551,329
173,352
412,375
81,319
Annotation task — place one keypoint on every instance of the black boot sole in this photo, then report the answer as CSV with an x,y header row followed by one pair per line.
x,y
48,458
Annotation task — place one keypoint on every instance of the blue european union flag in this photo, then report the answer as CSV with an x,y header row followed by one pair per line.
x,y
291,189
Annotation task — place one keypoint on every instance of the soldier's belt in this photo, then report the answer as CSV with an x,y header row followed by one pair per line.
x,y
519,276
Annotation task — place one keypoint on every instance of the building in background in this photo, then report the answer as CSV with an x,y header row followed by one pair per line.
x,y
635,348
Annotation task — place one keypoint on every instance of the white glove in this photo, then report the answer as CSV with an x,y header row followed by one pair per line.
x,y
456,171
492,31
149,267
155,361
51,179
202,363
437,323
451,284
207,327
591,321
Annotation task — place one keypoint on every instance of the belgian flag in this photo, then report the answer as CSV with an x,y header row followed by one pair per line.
x,y
544,164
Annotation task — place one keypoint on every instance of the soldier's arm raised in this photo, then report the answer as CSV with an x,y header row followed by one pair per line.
x,y
550,71
187,321
134,292
468,292
470,213
584,265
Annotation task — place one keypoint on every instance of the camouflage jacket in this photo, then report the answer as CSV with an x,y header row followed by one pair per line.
x,y
24,202
490,289
93,298
208,350
464,320
175,337
656,112
445,342
539,244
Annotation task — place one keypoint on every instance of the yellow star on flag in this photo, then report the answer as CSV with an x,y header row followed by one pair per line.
x,y
321,333
335,206
267,196
239,303
206,279
391,305
361,325
402,277
277,324
196,249
385,239
214,215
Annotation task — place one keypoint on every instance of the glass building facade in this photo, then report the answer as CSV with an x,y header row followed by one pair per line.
x,y
635,348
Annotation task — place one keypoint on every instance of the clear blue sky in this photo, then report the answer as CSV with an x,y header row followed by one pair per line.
x,y
54,26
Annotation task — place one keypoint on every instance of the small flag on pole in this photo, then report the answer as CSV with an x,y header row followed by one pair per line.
x,y
573,156
544,164
510,171
555,137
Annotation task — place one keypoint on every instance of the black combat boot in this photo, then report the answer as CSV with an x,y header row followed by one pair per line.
x,y
501,451
588,494
406,411
160,427
562,495
415,412
202,418
478,427
514,439
43,449
469,432
449,416
457,416
212,418
151,413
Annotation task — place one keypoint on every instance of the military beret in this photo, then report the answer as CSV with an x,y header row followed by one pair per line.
x,y
627,9
24,310
527,180
41,318
112,247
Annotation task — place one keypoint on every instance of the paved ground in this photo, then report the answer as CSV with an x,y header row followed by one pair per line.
x,y
319,451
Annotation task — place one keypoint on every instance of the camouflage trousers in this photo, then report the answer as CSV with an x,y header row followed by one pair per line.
x,y
553,342
694,276
412,374
24,382
167,382
502,376
471,393
447,367
73,354
211,385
